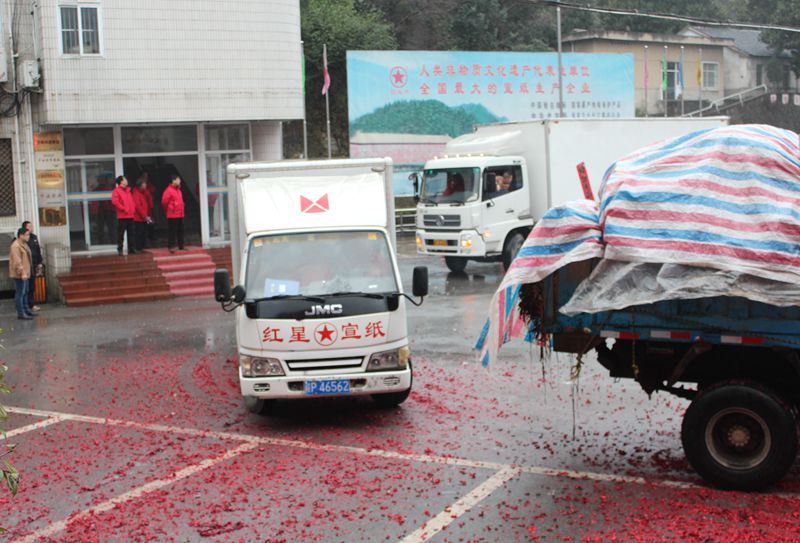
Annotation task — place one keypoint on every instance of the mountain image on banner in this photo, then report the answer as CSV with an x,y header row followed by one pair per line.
x,y
424,117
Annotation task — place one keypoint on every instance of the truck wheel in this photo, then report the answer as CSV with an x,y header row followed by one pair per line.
x,y
739,435
512,247
257,406
393,399
455,264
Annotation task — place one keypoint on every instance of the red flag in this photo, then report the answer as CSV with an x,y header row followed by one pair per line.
x,y
326,76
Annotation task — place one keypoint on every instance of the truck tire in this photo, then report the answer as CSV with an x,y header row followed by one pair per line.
x,y
511,248
393,399
456,264
257,406
739,436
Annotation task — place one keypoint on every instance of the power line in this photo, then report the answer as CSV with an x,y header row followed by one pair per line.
x,y
665,16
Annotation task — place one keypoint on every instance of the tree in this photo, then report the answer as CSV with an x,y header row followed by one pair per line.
x,y
8,472
784,13
341,25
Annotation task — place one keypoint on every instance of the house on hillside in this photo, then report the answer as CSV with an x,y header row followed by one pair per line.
x,y
749,61
703,62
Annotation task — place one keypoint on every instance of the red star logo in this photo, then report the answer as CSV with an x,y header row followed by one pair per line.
x,y
398,76
325,334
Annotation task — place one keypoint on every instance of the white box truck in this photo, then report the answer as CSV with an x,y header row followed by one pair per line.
x,y
319,305
479,200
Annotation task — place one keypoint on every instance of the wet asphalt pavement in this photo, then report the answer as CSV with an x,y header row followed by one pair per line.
x,y
129,427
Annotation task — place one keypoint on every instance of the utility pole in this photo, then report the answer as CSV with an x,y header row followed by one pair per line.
x,y
560,78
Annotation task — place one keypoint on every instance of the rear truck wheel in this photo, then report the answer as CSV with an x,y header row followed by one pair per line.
x,y
456,264
512,247
739,436
393,399
258,406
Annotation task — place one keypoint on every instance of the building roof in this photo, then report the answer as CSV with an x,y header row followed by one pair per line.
x,y
367,138
649,37
747,41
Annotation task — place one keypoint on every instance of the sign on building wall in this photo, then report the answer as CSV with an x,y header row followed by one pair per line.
x,y
51,194
408,104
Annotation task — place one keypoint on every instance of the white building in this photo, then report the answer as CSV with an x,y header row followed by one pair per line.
x,y
96,89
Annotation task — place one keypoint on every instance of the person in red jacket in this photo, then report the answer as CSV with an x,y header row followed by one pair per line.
x,y
172,202
143,205
122,199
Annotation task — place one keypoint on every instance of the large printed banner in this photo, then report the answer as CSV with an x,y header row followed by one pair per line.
x,y
409,104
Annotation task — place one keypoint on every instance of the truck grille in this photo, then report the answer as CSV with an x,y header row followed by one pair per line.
x,y
324,364
442,221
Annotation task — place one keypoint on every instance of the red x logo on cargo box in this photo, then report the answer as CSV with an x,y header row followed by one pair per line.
x,y
310,206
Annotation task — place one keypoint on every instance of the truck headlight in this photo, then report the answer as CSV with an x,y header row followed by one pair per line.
x,y
260,367
466,241
419,240
396,359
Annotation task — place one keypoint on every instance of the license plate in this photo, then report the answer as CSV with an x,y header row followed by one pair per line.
x,y
327,386
440,242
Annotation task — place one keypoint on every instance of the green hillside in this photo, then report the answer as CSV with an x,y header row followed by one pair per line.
x,y
423,117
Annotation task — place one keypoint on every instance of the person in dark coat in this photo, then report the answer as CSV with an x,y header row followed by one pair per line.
x,y
37,261
123,203
172,202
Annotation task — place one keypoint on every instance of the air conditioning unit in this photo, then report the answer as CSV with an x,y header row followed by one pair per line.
x,y
29,74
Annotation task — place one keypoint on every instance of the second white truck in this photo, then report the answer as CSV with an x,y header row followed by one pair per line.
x,y
479,200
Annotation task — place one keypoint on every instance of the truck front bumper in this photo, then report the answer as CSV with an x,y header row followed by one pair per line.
x,y
465,243
292,387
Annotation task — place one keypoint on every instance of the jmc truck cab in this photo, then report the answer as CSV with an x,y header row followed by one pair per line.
x,y
319,306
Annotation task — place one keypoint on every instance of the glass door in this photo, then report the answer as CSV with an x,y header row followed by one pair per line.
x,y
92,218
225,144
157,170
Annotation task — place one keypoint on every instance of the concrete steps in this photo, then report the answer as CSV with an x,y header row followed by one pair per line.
x,y
187,273
99,280
155,274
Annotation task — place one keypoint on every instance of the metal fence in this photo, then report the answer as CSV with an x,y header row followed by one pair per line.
x,y
404,219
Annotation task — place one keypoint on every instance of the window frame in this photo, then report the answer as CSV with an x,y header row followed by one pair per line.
x,y
79,7
13,187
704,83
516,170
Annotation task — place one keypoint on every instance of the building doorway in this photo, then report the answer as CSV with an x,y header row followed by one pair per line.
x,y
157,170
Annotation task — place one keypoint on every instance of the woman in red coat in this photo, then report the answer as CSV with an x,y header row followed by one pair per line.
x,y
172,202
143,204
122,200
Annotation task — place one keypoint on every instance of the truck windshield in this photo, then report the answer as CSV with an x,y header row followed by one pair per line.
x,y
456,185
318,264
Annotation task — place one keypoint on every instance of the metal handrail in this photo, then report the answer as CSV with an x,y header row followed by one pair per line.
x,y
405,219
716,104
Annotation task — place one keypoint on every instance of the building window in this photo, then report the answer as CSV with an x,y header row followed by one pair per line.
x,y
80,30
672,80
225,144
8,199
710,75
759,74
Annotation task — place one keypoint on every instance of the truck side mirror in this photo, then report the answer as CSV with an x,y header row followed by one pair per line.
x,y
419,285
222,285
239,294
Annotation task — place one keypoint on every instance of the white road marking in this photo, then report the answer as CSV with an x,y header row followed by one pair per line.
x,y
605,477
136,493
425,458
453,512
35,426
